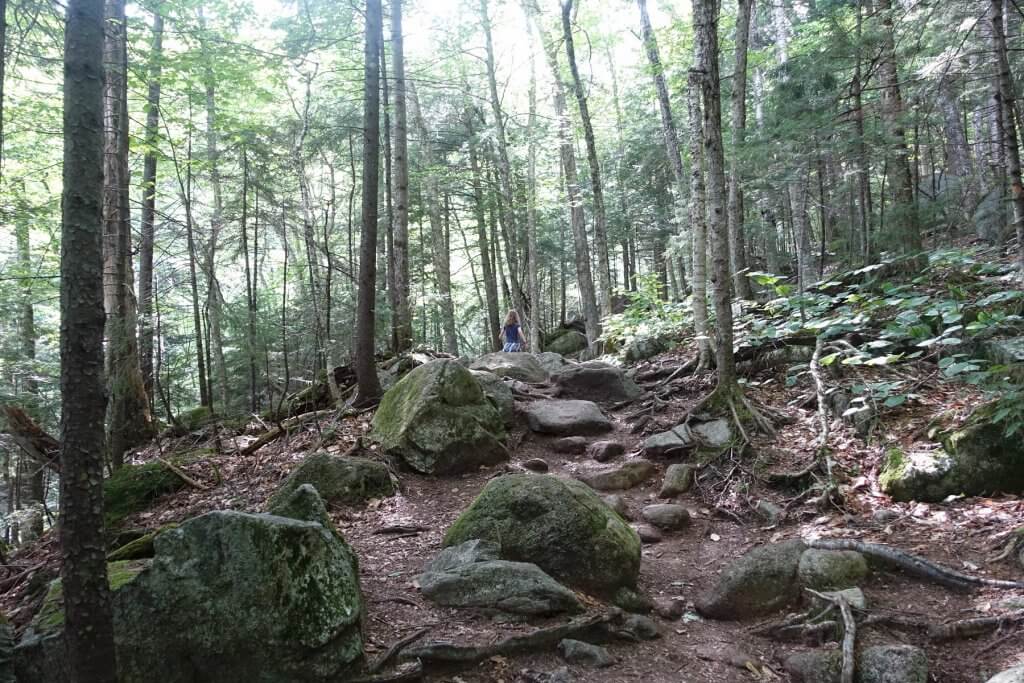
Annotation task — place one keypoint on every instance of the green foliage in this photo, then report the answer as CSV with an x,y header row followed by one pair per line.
x,y
647,316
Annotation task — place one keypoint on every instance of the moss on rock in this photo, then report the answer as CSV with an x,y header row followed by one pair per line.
x,y
133,488
561,525
337,480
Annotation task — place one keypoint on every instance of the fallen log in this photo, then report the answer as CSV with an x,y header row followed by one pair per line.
x,y
32,439
284,428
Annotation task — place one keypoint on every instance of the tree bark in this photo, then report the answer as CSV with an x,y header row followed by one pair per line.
x,y
737,245
567,151
479,209
1007,110
699,228
705,21
596,185
129,421
400,186
960,163
149,206
369,390
88,621
532,286
250,285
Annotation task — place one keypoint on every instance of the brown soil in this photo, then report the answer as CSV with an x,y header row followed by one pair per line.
x,y
962,534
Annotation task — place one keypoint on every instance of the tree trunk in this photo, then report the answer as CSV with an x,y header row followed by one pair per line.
x,y
600,222
861,151
698,226
400,187
532,286
802,230
88,622
737,246
904,218
567,151
149,207
129,419
439,248
705,20
960,164
250,286
628,283
1007,110
369,390
479,209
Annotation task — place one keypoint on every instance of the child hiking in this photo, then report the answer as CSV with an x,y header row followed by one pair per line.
x,y
512,334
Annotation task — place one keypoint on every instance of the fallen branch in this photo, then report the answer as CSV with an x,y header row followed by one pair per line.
x,y
913,564
969,628
183,475
284,428
584,628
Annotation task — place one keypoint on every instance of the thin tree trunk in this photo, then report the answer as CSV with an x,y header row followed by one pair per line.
x,y
88,620
250,286
490,283
366,367
129,419
861,150
532,286
802,230
1007,109
628,276
596,186
705,20
737,245
698,226
400,187
149,207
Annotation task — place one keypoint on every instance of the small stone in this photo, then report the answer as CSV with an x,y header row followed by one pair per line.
x,y
603,451
536,465
647,533
632,601
668,443
669,608
770,512
668,516
572,445
620,478
638,627
831,569
893,664
678,479
727,654
584,654
618,503
885,516
714,434
815,666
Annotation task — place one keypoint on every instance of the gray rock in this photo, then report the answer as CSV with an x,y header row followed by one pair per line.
x,y
566,418
438,420
618,503
462,554
831,569
758,583
220,588
551,361
1014,675
632,601
517,587
566,342
648,534
815,666
671,442
637,627
770,512
603,451
714,434
642,349
302,503
678,479
559,524
893,664
584,654
521,366
620,477
536,465
596,381
668,516
669,608
572,445
499,394
884,516
337,480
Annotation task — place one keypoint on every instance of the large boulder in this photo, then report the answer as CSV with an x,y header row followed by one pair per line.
x,y
338,480
559,524
643,348
499,394
566,342
565,418
229,597
977,459
711,435
596,381
521,366
551,361
438,420
133,488
760,582
1014,675
470,575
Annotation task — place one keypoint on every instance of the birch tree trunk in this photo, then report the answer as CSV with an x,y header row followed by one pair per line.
x,y
597,188
737,245
129,421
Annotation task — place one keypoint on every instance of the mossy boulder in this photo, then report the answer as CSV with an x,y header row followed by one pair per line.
x,y
134,488
438,421
138,548
566,342
229,597
758,583
976,459
499,394
560,525
825,570
521,366
338,480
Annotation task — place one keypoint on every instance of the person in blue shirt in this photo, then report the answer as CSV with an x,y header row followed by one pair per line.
x,y
512,334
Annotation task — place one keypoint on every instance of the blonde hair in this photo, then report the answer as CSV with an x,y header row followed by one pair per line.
x,y
512,318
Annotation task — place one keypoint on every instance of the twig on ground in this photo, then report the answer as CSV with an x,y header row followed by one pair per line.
x,y
181,474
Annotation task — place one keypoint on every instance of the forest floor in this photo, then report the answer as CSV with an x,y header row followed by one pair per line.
x,y
963,534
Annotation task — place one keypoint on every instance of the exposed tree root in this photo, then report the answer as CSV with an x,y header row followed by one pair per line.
x,y
913,564
377,664
410,671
